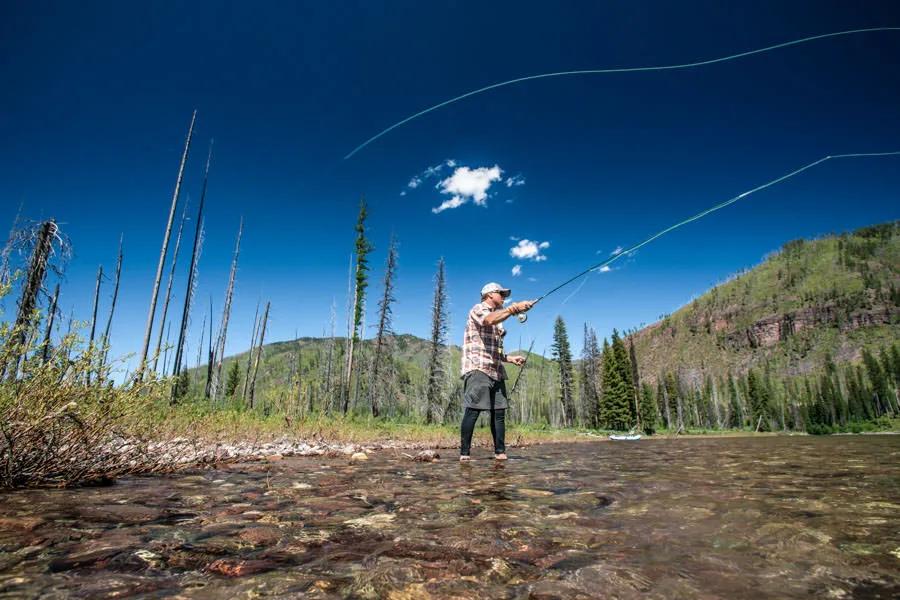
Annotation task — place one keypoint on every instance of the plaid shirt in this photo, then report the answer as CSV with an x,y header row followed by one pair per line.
x,y
483,344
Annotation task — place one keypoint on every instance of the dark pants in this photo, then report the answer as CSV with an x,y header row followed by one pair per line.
x,y
498,430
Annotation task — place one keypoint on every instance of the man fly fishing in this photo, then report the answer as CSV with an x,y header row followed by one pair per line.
x,y
482,366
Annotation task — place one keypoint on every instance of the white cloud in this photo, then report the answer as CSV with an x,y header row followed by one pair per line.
x,y
516,270
529,250
605,269
414,182
515,180
453,202
514,238
532,279
618,250
471,183
403,193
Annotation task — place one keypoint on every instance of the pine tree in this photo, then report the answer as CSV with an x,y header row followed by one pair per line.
x,y
362,247
589,397
626,373
616,400
759,400
438,343
648,409
234,378
562,353
881,395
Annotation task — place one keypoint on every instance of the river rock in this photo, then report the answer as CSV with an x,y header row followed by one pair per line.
x,y
239,568
358,456
260,536
426,456
120,513
23,523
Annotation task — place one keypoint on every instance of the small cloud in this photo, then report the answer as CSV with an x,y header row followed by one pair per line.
x,y
450,163
454,202
529,250
414,182
618,250
516,270
514,181
510,200
605,269
468,184
532,279
514,238
403,193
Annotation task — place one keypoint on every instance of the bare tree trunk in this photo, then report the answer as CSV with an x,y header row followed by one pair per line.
x,y
162,253
112,308
192,272
259,349
209,353
165,311
34,281
200,345
94,323
168,327
250,353
51,316
384,324
351,334
329,380
226,315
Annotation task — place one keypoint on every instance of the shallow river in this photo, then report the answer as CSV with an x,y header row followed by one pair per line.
x,y
694,518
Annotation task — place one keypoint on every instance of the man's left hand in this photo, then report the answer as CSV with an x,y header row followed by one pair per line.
x,y
517,360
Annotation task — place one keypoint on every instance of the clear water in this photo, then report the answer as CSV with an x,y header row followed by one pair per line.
x,y
772,517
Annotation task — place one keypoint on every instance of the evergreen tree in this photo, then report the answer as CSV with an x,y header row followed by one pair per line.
x,y
759,400
381,357
435,384
616,398
362,249
881,394
676,420
626,373
590,403
648,409
562,353
233,379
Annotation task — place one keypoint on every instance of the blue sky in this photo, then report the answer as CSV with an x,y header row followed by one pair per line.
x,y
97,98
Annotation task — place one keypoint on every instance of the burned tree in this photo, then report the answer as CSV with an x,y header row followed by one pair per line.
x,y
112,308
44,237
165,311
382,336
259,349
192,272
162,254
226,315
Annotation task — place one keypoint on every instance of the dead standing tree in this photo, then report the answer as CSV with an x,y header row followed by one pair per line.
x,y
165,311
162,255
112,309
254,332
192,273
51,317
382,336
46,234
259,349
226,315
438,343
90,348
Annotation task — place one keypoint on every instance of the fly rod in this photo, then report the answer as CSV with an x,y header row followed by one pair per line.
x,y
523,317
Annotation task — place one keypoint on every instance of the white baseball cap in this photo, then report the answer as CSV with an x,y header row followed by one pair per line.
x,y
494,287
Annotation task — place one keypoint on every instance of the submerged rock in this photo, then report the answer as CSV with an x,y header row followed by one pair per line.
x,y
357,456
239,568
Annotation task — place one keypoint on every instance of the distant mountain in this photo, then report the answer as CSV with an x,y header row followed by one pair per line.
x,y
833,295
